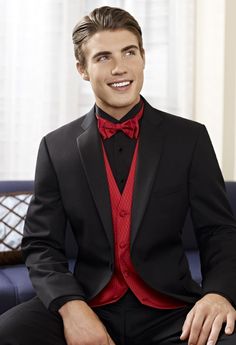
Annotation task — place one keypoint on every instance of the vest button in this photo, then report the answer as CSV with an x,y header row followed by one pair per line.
x,y
122,245
123,213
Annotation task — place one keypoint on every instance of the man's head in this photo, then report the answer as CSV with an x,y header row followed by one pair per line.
x,y
100,19
110,54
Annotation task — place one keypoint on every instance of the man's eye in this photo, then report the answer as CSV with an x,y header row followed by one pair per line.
x,y
130,52
102,58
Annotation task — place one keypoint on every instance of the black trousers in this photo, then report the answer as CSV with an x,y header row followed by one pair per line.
x,y
127,321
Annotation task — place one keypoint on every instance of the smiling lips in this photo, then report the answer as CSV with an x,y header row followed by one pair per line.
x,y
120,85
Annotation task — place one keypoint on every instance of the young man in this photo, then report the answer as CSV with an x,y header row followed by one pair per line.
x,y
124,176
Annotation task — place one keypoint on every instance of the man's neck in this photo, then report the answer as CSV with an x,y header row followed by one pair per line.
x,y
116,112
125,116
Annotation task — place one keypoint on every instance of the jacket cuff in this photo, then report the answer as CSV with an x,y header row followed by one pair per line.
x,y
57,303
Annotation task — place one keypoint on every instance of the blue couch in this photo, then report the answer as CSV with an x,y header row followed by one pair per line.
x,y
15,285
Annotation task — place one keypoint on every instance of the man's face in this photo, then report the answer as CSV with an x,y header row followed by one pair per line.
x,y
114,67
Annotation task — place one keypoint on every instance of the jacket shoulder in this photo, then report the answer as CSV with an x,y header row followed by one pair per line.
x,y
179,121
171,120
62,142
70,129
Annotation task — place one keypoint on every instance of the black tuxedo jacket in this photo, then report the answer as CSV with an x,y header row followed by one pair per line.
x,y
176,170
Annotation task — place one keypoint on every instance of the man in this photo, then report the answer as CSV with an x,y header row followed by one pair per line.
x,y
124,176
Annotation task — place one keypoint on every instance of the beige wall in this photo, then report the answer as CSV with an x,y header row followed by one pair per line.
x,y
215,77
229,135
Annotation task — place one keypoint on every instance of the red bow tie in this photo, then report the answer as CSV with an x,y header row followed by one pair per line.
x,y
130,127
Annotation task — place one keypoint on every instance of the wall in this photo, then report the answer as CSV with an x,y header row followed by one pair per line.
x,y
215,78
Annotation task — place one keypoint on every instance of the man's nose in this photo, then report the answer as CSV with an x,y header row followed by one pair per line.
x,y
118,67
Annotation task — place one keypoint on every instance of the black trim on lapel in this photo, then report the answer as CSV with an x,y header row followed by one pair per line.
x,y
150,145
89,145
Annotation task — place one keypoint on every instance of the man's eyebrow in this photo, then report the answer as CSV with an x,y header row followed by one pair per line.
x,y
106,52
131,46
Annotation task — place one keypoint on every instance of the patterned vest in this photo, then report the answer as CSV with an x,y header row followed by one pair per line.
x,y
125,276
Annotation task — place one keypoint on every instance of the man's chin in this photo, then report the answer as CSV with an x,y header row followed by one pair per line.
x,y
124,100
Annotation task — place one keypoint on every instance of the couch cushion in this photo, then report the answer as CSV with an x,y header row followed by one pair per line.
x,y
194,265
15,286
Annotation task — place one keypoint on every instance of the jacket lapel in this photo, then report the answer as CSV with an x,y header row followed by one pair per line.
x,y
150,145
89,144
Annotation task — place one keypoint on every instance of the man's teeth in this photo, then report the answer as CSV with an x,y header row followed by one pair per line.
x,y
123,83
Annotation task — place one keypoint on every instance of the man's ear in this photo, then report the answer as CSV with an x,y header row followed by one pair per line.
x,y
144,59
82,71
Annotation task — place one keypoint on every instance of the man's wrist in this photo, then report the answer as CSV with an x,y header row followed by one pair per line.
x,y
69,306
219,294
57,303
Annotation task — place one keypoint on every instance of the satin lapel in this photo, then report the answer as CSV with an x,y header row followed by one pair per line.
x,y
150,145
89,144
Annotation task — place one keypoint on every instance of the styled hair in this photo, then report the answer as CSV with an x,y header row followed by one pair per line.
x,y
100,19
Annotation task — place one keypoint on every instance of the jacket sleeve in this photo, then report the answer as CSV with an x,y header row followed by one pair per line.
x,y
213,221
44,236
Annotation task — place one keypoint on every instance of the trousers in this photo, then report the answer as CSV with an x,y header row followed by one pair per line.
x,y
127,321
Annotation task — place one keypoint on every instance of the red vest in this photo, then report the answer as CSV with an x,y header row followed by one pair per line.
x,y
124,276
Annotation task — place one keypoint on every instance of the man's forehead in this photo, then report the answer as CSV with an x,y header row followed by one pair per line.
x,y
111,40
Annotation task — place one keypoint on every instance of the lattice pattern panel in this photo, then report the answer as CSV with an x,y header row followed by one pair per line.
x,y
13,209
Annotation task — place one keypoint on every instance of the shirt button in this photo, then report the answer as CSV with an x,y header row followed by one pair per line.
x,y
120,149
122,245
122,213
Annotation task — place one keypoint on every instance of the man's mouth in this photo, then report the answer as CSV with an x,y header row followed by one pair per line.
x,y
121,84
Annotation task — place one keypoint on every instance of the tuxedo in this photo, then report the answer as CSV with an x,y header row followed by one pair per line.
x,y
176,171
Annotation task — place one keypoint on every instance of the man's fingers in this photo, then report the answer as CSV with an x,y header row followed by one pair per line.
x,y
230,323
215,331
204,322
209,332
187,326
197,327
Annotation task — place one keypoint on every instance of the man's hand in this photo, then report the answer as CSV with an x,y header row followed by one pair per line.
x,y
82,326
205,320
